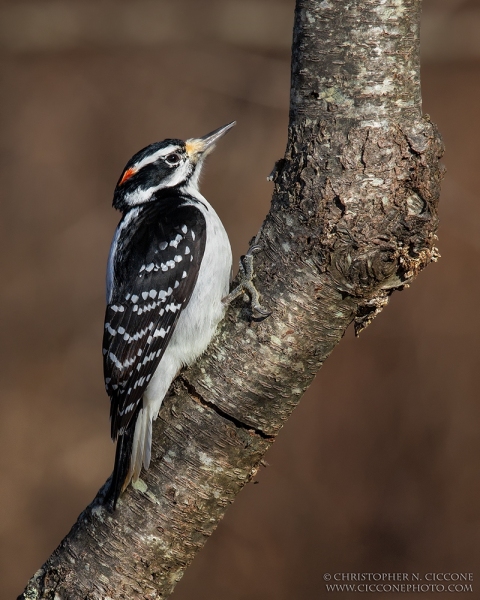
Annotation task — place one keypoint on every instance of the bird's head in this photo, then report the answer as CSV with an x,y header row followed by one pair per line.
x,y
168,164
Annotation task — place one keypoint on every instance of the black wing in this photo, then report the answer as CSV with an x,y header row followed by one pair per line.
x,y
155,269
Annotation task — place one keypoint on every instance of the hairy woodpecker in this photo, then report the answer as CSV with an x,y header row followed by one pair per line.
x,y
168,272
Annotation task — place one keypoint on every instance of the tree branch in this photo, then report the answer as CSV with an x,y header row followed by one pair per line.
x,y
353,217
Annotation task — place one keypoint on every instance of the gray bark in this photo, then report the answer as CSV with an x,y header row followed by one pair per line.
x,y
353,217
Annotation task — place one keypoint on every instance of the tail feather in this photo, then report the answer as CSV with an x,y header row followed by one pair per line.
x,y
120,478
147,446
137,448
133,451
141,447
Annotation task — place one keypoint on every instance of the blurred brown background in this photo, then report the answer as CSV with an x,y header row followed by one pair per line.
x,y
378,468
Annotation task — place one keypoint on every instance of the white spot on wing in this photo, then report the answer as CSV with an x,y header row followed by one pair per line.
x,y
115,360
176,241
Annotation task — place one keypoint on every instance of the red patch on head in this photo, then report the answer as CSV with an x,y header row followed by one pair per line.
x,y
128,173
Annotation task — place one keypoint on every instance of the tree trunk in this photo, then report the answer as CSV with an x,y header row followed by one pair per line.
x,y
353,217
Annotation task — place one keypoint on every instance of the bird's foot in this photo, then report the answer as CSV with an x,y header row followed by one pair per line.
x,y
246,286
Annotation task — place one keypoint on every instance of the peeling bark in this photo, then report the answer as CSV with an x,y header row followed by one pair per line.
x,y
353,218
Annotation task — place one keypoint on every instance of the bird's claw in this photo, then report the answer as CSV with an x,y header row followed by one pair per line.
x,y
246,285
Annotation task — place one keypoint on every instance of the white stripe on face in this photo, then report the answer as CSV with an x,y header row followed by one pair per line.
x,y
151,158
140,195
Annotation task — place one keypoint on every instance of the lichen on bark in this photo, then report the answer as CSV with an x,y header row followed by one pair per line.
x,y
353,218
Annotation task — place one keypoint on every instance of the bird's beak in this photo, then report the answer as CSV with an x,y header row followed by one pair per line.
x,y
197,147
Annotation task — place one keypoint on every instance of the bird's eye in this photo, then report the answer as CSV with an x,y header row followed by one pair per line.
x,y
173,159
